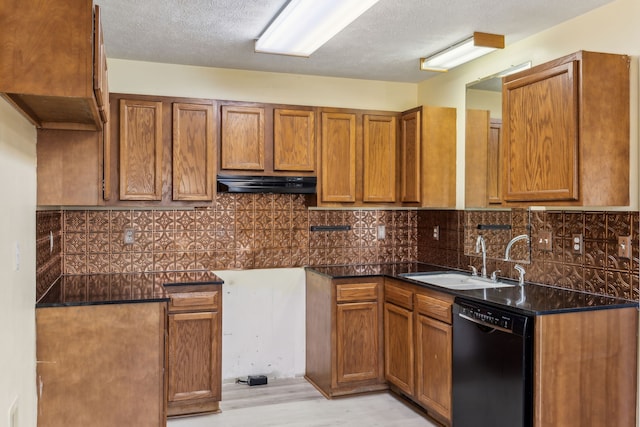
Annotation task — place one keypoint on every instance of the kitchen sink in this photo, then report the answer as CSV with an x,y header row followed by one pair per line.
x,y
457,281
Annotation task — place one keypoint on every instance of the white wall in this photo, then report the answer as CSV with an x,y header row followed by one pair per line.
x,y
613,28
17,305
150,78
263,323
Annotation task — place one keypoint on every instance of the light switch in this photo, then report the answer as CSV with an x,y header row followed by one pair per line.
x,y
382,231
624,247
544,241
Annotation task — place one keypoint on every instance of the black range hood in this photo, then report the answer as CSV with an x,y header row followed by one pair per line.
x,y
266,184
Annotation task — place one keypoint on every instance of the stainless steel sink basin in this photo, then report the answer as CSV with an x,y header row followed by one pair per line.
x,y
457,281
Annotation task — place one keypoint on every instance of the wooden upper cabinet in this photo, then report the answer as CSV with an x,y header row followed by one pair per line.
x,y
338,159
438,157
566,132
294,140
140,150
380,154
242,146
475,158
410,157
193,152
47,62
100,73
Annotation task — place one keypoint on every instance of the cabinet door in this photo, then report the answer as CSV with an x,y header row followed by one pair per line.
x,y
494,177
193,360
410,157
338,161
433,352
140,150
380,153
357,345
294,140
242,144
540,111
193,152
398,347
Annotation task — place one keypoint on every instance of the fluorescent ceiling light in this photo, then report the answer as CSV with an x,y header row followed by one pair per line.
x,y
467,50
305,25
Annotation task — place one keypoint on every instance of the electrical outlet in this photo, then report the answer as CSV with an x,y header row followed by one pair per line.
x,y
624,247
436,232
576,243
544,241
129,236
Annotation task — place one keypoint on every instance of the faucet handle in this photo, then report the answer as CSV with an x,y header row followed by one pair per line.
x,y
474,271
494,275
521,272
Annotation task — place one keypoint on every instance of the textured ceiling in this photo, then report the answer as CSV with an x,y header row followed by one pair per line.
x,y
385,43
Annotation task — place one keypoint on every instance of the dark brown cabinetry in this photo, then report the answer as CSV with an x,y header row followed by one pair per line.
x,y
101,365
343,335
566,132
267,139
418,345
428,157
165,150
194,351
47,65
358,158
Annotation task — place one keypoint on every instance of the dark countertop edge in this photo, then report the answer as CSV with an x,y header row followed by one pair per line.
x,y
131,300
106,302
468,294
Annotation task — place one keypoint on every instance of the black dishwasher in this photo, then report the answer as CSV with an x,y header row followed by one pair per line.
x,y
492,366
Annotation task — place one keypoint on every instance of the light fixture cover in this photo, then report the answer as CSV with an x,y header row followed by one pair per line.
x,y
305,25
464,51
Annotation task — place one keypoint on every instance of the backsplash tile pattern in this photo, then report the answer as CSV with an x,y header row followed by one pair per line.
x,y
241,231
48,255
598,269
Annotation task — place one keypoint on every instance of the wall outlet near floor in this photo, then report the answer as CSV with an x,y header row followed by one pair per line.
x,y
624,247
129,236
544,241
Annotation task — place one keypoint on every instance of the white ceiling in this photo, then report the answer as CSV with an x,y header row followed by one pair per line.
x,y
385,43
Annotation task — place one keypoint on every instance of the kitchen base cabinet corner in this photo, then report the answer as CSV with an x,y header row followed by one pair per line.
x,y
343,335
101,365
194,351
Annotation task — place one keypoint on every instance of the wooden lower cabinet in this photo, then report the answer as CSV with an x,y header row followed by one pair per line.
x,y
343,335
418,346
101,365
194,352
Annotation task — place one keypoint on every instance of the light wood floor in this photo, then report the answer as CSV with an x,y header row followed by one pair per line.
x,y
295,402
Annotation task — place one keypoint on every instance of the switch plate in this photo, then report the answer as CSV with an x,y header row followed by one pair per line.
x,y
576,243
382,232
544,241
624,247
436,232
129,236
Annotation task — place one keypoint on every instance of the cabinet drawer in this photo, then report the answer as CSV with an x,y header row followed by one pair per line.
x,y
433,307
357,292
190,301
398,296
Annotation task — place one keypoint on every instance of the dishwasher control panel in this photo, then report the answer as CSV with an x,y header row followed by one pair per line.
x,y
488,316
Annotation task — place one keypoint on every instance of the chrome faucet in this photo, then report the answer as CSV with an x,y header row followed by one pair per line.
x,y
510,244
480,245
521,273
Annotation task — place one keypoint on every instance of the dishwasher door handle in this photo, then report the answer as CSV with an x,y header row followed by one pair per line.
x,y
485,324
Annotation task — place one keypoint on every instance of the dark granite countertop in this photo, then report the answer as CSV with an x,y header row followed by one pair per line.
x,y
530,299
118,288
